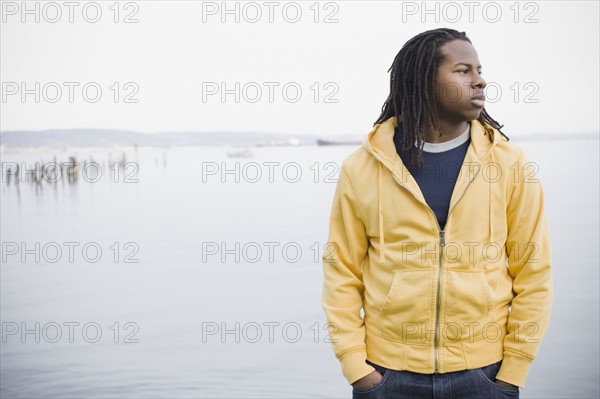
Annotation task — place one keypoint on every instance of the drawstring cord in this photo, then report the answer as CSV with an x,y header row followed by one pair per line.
x,y
381,238
491,202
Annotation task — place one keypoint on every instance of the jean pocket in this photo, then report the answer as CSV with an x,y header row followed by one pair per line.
x,y
488,374
385,373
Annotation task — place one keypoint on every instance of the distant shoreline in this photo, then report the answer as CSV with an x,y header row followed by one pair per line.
x,y
97,139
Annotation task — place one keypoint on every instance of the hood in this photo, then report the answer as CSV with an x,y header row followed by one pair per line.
x,y
380,144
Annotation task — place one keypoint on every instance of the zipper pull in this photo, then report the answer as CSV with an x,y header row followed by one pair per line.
x,y
442,238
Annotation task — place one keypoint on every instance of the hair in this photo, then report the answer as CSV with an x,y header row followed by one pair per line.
x,y
412,81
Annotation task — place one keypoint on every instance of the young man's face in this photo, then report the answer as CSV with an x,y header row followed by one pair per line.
x,y
459,89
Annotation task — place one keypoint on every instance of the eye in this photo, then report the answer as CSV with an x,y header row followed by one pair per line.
x,y
464,71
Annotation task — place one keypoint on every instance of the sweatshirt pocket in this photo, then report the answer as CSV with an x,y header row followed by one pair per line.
x,y
468,301
408,304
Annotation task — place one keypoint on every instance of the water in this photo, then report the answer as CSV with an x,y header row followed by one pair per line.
x,y
182,322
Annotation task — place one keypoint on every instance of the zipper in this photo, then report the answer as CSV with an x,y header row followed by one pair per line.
x,y
442,235
437,303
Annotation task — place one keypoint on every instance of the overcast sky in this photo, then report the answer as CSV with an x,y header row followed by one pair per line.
x,y
317,68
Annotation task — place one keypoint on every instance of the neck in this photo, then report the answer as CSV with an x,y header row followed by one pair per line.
x,y
450,130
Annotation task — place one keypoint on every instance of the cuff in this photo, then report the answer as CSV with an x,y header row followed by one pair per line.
x,y
514,369
354,366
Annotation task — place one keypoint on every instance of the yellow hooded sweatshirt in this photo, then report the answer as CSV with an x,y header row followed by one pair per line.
x,y
433,300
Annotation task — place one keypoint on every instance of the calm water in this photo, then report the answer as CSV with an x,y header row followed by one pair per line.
x,y
152,301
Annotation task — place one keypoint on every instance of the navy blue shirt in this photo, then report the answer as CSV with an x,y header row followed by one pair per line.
x,y
438,177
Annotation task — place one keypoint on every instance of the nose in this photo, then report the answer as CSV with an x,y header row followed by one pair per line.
x,y
479,82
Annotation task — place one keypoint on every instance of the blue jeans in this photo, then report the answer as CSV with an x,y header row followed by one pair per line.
x,y
465,384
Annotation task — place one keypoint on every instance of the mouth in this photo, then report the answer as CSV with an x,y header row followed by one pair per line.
x,y
478,100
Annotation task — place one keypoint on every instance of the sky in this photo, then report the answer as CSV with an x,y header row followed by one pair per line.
x,y
301,67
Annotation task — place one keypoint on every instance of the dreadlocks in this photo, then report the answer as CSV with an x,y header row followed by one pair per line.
x,y
412,81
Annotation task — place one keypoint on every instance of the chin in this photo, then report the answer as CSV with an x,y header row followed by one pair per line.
x,y
473,115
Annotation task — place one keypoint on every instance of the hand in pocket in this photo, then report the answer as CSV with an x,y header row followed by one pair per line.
x,y
369,381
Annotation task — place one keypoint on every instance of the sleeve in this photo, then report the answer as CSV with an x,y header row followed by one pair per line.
x,y
343,289
529,264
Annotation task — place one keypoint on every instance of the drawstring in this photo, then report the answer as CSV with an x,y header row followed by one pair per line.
x,y
381,238
491,204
